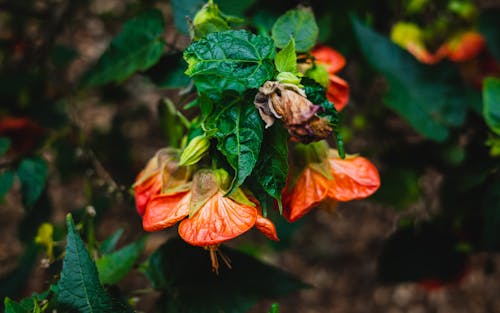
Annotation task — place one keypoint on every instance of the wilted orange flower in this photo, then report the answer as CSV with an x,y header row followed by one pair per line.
x,y
333,179
463,47
208,217
338,89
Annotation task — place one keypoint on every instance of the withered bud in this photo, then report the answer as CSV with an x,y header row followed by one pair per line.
x,y
288,102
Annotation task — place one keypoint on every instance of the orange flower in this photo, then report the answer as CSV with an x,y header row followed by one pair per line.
x,y
24,133
463,47
208,217
338,89
332,179
161,173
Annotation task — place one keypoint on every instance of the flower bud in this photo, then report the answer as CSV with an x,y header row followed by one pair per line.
x,y
194,151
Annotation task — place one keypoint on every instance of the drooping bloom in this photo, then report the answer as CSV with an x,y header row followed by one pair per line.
x,y
330,178
337,89
289,103
208,217
161,173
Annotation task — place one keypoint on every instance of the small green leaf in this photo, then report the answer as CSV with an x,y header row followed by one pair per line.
x,y
109,244
14,307
79,286
286,59
239,136
272,168
491,107
431,98
6,181
33,174
172,123
4,145
299,24
232,60
137,47
115,266
184,273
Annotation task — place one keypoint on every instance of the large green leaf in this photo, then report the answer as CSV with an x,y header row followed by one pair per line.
x,y
272,168
33,174
183,9
231,60
430,98
491,107
238,129
299,24
184,274
79,286
115,266
137,47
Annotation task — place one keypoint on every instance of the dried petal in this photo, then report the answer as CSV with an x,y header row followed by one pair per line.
x,y
218,220
309,190
165,210
353,178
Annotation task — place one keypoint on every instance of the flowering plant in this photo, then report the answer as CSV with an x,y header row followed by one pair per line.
x,y
262,101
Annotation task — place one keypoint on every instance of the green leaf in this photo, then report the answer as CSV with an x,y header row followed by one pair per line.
x,y
239,136
137,47
4,145
488,25
231,60
79,286
184,273
109,244
491,107
33,174
272,168
183,9
115,266
6,181
431,98
299,24
286,59
14,307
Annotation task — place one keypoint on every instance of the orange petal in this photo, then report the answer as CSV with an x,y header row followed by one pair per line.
x,y
218,220
310,189
266,226
422,54
165,210
147,189
333,60
465,47
353,178
338,92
